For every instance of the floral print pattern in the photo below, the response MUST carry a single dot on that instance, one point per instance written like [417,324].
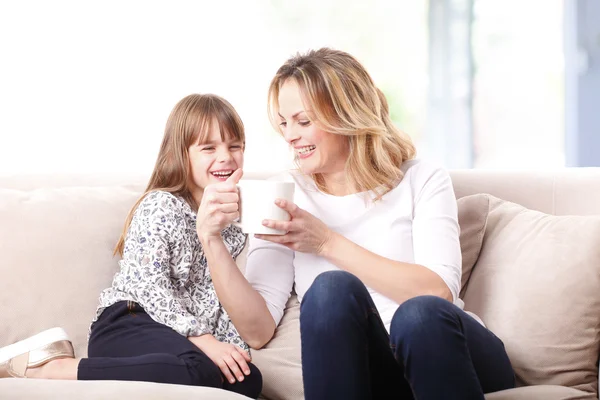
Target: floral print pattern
[164,270]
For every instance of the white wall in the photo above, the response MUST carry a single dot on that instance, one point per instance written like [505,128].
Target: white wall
[87,86]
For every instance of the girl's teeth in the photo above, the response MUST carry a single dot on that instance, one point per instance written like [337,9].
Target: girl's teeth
[221,173]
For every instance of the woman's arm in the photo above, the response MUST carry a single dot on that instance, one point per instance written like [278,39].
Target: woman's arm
[397,280]
[436,246]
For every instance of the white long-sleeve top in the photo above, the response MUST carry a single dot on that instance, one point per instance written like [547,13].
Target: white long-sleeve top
[416,222]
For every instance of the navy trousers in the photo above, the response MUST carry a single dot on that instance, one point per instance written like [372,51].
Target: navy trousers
[126,344]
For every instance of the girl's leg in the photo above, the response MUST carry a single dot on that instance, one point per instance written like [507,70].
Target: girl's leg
[446,353]
[127,331]
[126,344]
[345,348]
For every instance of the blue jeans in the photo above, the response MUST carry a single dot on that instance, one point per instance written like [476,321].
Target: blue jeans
[434,350]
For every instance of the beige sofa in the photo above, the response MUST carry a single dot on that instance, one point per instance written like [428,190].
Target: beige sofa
[533,278]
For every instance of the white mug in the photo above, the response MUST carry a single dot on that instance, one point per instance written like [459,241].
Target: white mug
[257,203]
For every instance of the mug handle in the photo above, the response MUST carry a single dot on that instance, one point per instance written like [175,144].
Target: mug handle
[238,223]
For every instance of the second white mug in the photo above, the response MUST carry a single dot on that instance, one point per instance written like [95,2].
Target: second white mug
[257,203]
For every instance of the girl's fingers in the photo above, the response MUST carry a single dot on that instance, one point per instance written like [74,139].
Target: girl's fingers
[223,198]
[239,359]
[244,353]
[233,366]
[224,367]
[227,208]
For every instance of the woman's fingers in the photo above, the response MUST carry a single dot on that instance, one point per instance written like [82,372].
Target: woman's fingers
[288,206]
[279,225]
[280,239]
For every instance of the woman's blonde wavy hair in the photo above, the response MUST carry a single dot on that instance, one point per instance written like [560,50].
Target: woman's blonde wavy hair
[345,101]
[190,122]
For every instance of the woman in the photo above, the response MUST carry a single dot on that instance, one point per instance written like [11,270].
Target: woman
[372,250]
[161,320]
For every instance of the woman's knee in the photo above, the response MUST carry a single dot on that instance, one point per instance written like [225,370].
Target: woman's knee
[331,286]
[421,314]
[331,302]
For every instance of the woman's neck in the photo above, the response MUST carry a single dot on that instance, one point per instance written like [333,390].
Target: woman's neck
[337,184]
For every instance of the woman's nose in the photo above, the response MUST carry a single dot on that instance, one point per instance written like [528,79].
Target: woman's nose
[290,135]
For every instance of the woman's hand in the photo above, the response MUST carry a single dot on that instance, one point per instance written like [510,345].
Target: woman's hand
[218,207]
[230,359]
[305,232]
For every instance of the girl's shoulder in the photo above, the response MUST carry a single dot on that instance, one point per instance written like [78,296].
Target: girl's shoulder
[162,202]
[162,198]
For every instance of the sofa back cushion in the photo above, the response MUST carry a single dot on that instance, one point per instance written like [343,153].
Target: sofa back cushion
[536,285]
[472,219]
[57,256]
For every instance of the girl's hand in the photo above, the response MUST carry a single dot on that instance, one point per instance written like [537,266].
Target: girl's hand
[230,359]
[219,206]
[305,232]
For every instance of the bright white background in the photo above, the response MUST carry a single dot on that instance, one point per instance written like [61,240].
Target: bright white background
[86,87]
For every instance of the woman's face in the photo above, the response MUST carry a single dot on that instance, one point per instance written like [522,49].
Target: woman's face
[317,151]
[213,160]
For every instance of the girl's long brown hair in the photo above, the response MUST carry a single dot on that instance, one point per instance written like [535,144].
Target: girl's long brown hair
[190,122]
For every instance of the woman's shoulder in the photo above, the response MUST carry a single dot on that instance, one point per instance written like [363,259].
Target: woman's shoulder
[419,171]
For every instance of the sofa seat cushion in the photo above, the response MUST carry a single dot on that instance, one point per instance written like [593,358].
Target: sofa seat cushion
[542,392]
[280,364]
[280,361]
[42,389]
[536,285]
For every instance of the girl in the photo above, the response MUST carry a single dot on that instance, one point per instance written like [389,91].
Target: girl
[161,320]
[372,250]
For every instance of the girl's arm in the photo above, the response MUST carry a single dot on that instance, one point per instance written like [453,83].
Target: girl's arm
[247,308]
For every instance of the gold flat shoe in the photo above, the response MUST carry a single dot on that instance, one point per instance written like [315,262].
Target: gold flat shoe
[33,352]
